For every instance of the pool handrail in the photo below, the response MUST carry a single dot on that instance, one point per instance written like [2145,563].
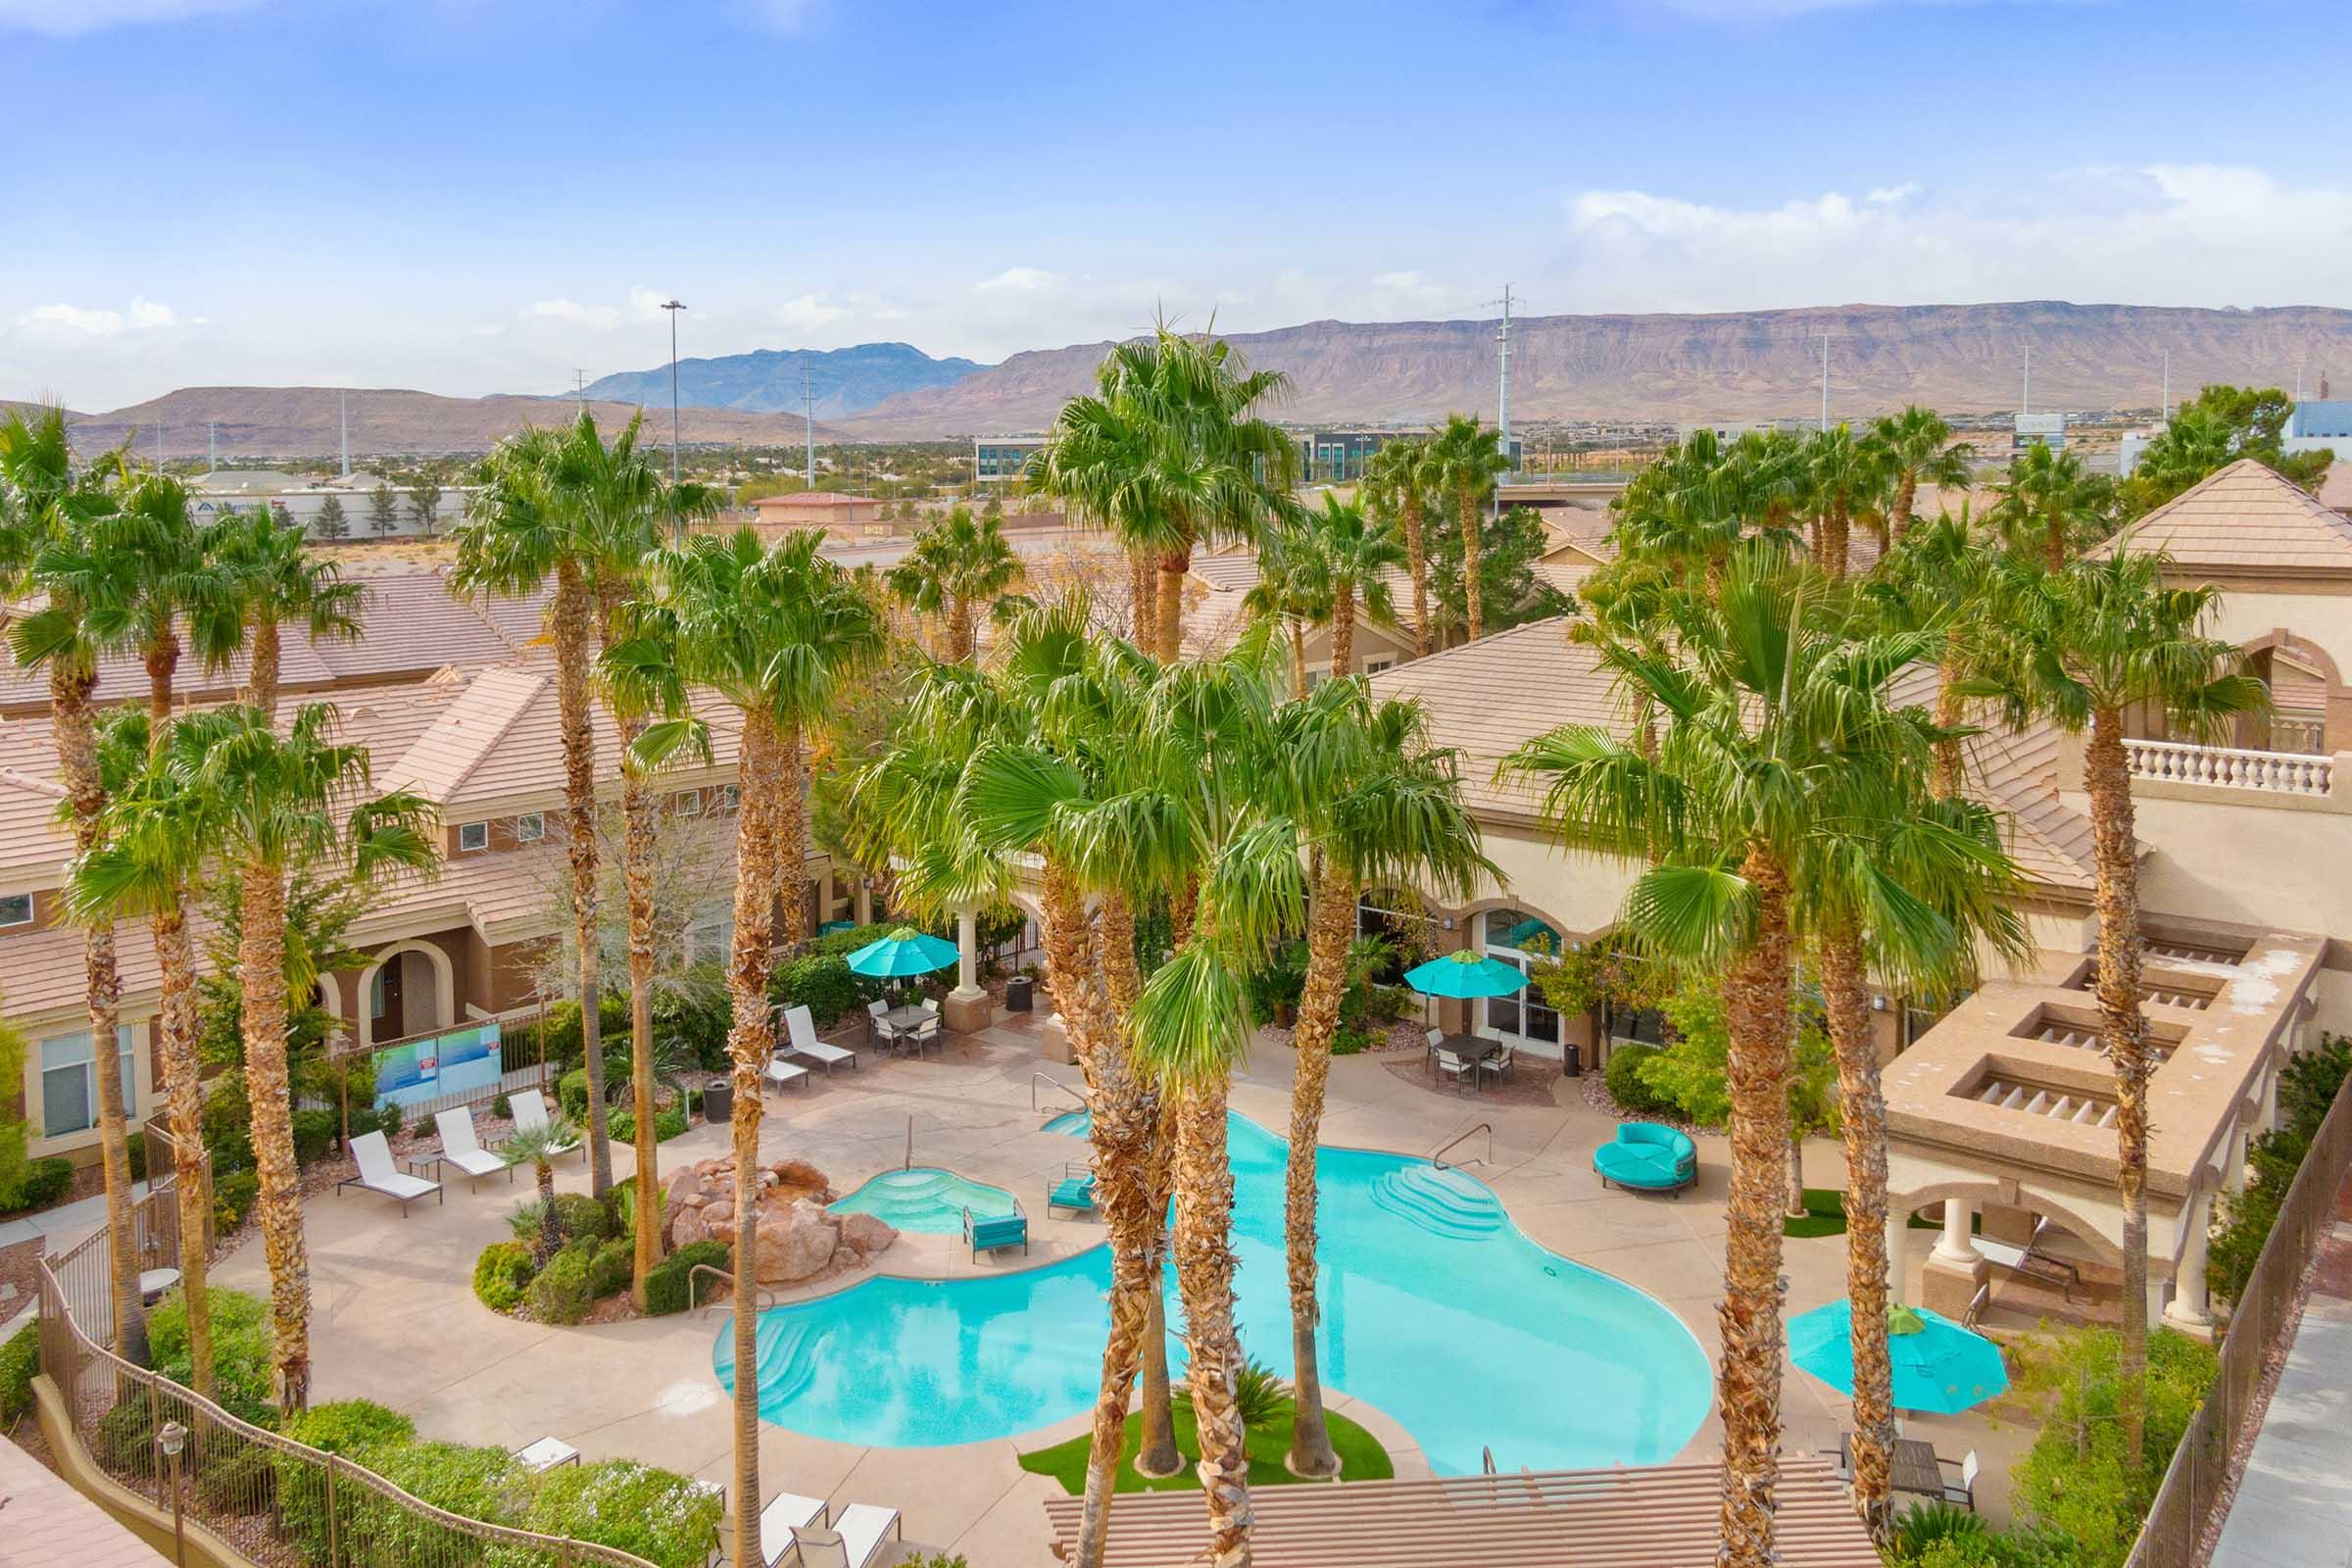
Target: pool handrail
[1439,1158]
[1051,1082]
[762,1296]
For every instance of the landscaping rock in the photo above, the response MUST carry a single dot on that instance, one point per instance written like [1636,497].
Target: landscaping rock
[867,1234]
[798,1237]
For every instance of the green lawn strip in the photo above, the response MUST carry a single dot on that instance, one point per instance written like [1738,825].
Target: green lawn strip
[1824,1215]
[1361,1457]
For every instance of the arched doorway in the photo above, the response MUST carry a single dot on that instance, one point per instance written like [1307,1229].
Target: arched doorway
[408,989]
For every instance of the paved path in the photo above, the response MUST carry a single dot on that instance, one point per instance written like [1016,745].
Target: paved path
[49,1523]
[67,1222]
[2294,1507]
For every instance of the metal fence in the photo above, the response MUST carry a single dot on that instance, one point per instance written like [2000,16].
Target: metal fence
[276,1502]
[2173,1535]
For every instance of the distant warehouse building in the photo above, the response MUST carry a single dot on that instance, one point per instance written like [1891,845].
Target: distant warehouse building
[816,509]
[2038,430]
[999,459]
[363,506]
[1340,457]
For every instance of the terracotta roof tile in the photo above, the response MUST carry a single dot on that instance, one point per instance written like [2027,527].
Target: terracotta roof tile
[2244,519]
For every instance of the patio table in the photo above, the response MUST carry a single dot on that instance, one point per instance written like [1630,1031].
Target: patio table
[903,1022]
[1911,1466]
[1473,1048]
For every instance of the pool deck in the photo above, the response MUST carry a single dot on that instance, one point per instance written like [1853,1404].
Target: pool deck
[395,1318]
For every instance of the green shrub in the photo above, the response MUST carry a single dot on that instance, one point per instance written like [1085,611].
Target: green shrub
[20,1362]
[561,1292]
[315,1135]
[609,1270]
[43,1183]
[2307,1087]
[346,1426]
[124,1443]
[657,1514]
[232,1474]
[622,1201]
[578,1215]
[696,1020]
[669,1122]
[824,984]
[563,1045]
[134,1146]
[665,1286]
[2074,1483]
[242,1372]
[572,1090]
[233,1196]
[841,944]
[1623,1075]
[478,1482]
[503,1108]
[502,1274]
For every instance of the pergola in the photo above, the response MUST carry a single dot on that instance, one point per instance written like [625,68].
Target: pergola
[1663,1516]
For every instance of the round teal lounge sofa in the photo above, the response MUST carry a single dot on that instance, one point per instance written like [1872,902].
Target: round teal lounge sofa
[1647,1158]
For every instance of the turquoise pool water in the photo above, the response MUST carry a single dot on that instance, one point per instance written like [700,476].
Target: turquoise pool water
[1077,1123]
[1435,1308]
[924,1198]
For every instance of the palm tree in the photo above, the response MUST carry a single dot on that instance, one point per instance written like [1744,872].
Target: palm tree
[1294,587]
[183,580]
[1941,577]
[2047,505]
[1356,550]
[1846,476]
[1915,447]
[1777,718]
[277,804]
[1385,806]
[1687,511]
[539,1147]
[775,632]
[145,862]
[2088,644]
[957,565]
[59,542]
[1466,457]
[1397,480]
[279,582]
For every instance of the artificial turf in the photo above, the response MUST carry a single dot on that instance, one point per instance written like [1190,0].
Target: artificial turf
[1824,1215]
[1361,1457]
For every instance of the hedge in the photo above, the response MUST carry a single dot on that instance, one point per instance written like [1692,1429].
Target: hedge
[44,1182]
[669,1122]
[242,1372]
[502,1274]
[20,1363]
[658,1514]
[345,1427]
[560,1294]
[665,1287]
[1623,1075]
[610,1270]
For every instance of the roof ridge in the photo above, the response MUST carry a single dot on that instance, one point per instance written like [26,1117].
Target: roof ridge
[502,711]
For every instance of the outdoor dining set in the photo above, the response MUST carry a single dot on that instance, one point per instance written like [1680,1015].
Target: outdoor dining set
[1468,1059]
[910,1028]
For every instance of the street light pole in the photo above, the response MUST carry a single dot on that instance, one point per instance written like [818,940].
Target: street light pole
[673,307]
[172,1439]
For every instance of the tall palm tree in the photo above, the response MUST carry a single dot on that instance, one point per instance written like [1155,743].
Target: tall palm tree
[1777,718]
[1356,549]
[279,582]
[1397,480]
[274,804]
[1294,588]
[1466,457]
[775,632]
[2089,644]
[957,565]
[1384,806]
[1915,447]
[1942,578]
[1847,476]
[184,584]
[1687,511]
[60,541]
[2046,504]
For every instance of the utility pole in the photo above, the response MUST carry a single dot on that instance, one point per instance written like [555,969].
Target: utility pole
[1825,381]
[579,383]
[678,530]
[2025,397]
[343,402]
[809,421]
[2168,386]
[1502,356]
[211,446]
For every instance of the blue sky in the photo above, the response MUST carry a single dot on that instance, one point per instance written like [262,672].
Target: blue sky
[479,195]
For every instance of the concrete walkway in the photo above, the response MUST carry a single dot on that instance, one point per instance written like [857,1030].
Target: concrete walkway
[2294,1507]
[65,1223]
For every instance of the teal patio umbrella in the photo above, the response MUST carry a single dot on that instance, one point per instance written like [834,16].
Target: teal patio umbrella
[1465,974]
[905,952]
[1940,1367]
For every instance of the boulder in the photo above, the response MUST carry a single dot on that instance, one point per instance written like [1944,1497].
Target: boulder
[867,1234]
[795,1243]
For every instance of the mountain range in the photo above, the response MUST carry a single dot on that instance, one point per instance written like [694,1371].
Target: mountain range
[843,381]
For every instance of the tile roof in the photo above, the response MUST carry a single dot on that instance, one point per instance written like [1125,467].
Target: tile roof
[814,498]
[2244,519]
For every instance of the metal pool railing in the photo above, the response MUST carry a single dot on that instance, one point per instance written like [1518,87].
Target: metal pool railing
[274,1503]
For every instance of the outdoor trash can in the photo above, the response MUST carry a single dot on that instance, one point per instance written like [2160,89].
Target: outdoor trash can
[1571,1061]
[1017,993]
[719,1102]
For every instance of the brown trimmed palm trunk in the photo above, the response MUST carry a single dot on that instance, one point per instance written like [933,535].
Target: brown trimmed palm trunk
[1342,629]
[162,657]
[262,976]
[1329,930]
[572,613]
[1749,1382]
[637,876]
[2053,541]
[1845,996]
[1409,503]
[750,1039]
[2122,1031]
[1298,631]
[1906,495]
[1951,710]
[73,732]
[264,658]
[1168,616]
[1205,1275]
[1143,600]
[176,1027]
[1473,593]
[1157,1454]
[792,835]
[1837,537]
[959,629]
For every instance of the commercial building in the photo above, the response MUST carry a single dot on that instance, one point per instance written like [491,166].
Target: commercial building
[302,499]
[1339,457]
[816,509]
[2038,430]
[999,459]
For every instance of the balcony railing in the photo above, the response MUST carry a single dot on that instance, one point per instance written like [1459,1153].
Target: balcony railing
[2273,773]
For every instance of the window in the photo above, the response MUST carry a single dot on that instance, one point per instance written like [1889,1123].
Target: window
[474,836]
[1373,666]
[687,803]
[530,827]
[708,940]
[69,1083]
[379,991]
[727,797]
[15,909]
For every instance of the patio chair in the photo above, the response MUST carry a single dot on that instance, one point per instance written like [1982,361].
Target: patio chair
[1454,1067]
[997,1231]
[1497,1064]
[856,1540]
[531,1112]
[927,1032]
[1074,1190]
[1436,1038]
[1962,1493]
[878,1030]
[783,1074]
[377,1174]
[462,1149]
[800,1029]
[784,1514]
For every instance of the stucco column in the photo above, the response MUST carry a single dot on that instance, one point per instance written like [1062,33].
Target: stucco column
[969,1009]
[862,901]
[1898,1249]
[2268,1121]
[2187,1310]
[1954,1269]
[1955,1245]
[2233,1163]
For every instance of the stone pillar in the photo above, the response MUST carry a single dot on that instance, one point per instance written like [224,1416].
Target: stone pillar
[2234,1162]
[968,1010]
[1955,1244]
[2267,1119]
[2187,1310]
[1898,1249]
[1954,1269]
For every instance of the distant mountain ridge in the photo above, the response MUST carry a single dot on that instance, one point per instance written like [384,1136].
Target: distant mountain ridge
[1740,366]
[844,381]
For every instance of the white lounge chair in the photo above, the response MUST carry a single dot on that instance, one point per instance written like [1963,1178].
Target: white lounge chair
[854,1540]
[462,1149]
[784,1073]
[800,1029]
[531,1112]
[377,1175]
[785,1514]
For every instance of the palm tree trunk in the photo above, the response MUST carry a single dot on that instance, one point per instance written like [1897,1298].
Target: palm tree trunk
[1862,1111]
[176,1027]
[1343,630]
[1298,630]
[1951,710]
[1748,1384]
[1410,502]
[1167,616]
[2053,541]
[1157,1454]
[792,835]
[1143,600]
[749,1039]
[959,629]
[637,876]
[1205,1275]
[163,662]
[1797,1170]
[1329,929]
[76,742]
[551,1230]
[262,976]
[2123,1030]
[572,635]
[1837,538]
[262,666]
[1466,503]
[1906,495]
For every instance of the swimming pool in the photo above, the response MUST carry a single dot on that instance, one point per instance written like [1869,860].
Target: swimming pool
[1435,1308]
[925,1197]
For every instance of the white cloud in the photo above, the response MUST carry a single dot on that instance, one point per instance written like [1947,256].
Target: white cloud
[808,313]
[66,19]
[595,317]
[142,315]
[2189,234]
[1022,280]
[645,303]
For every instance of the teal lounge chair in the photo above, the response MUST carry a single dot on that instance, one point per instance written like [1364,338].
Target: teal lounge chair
[1647,1158]
[995,1230]
[1075,1191]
